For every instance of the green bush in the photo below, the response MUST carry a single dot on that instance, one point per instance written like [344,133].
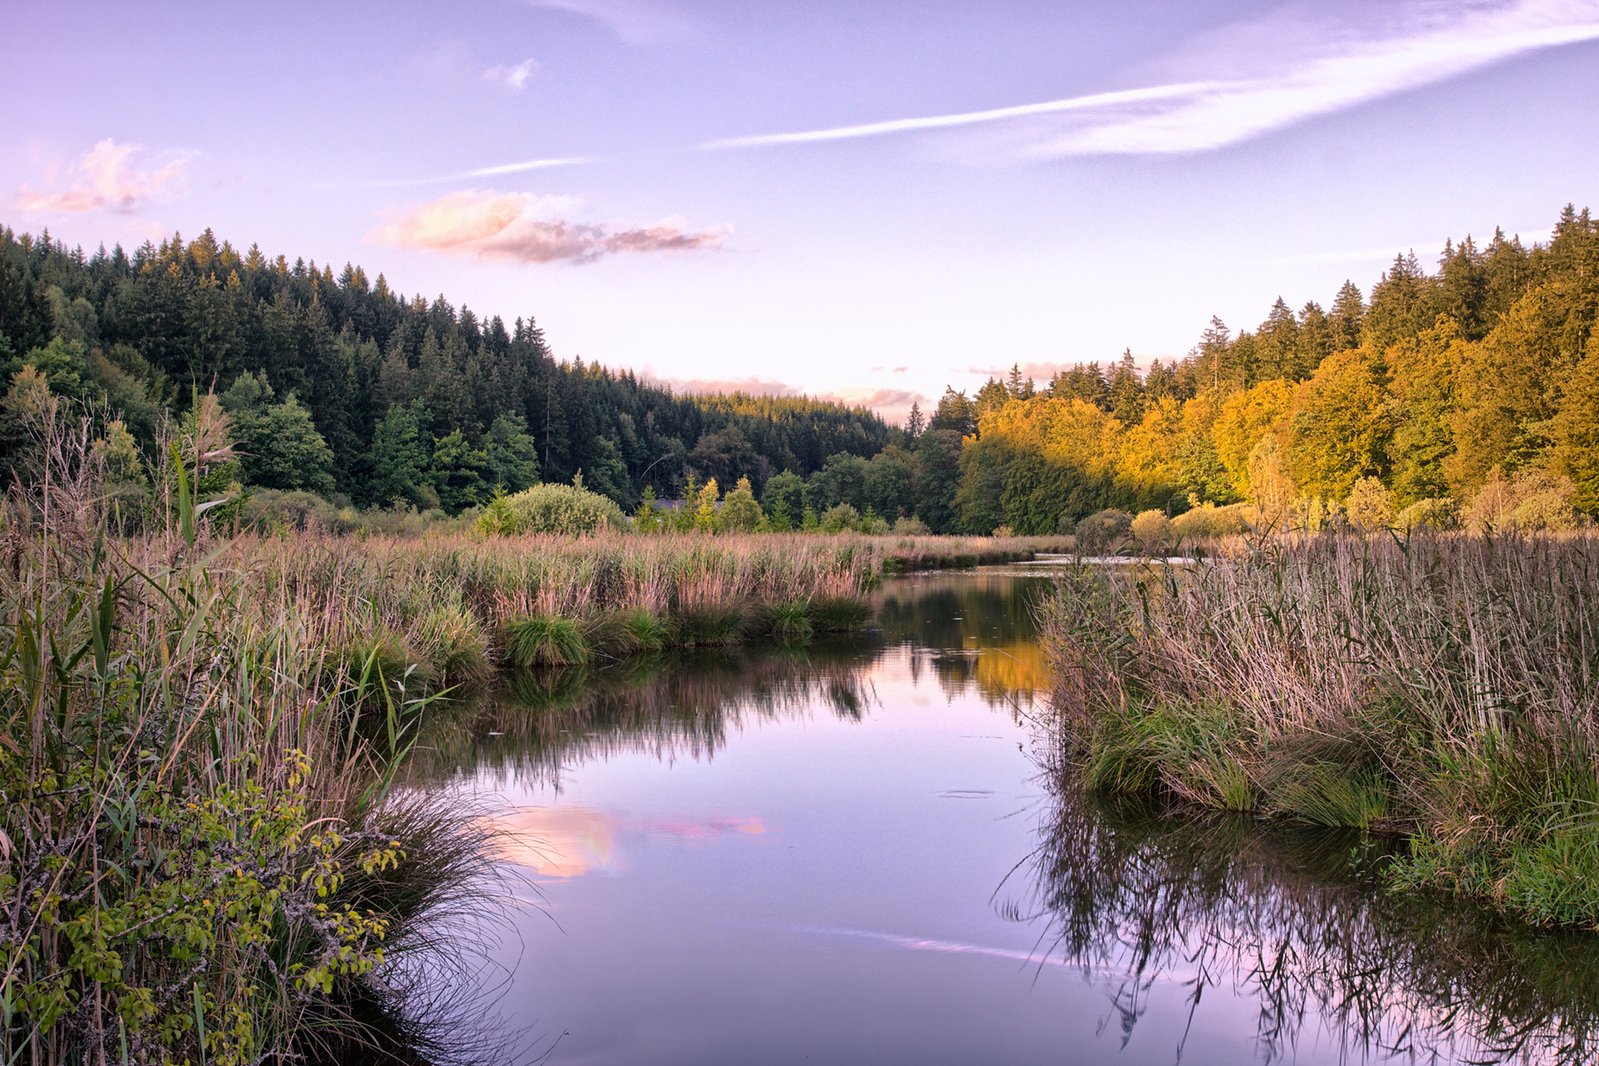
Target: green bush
[839,519]
[290,510]
[563,509]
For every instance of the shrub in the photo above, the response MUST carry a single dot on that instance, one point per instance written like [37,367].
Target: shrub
[1104,530]
[1209,522]
[911,527]
[1532,500]
[1432,513]
[291,510]
[1152,530]
[739,512]
[565,509]
[1370,505]
[874,526]
[839,518]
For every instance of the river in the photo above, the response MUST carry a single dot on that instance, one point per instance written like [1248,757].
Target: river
[856,854]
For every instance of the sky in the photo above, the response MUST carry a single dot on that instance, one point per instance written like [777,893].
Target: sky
[866,200]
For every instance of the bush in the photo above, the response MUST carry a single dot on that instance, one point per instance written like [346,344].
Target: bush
[911,527]
[1209,522]
[1370,505]
[840,518]
[1152,530]
[739,512]
[1104,530]
[550,509]
[1432,513]
[1532,500]
[291,510]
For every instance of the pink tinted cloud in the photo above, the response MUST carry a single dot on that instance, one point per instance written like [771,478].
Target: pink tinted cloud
[107,178]
[750,386]
[530,229]
[893,404]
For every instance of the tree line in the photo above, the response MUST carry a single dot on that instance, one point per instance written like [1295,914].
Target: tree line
[1469,389]
[336,384]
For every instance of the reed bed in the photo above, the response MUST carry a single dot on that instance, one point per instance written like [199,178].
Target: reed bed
[450,608]
[1441,687]
[201,859]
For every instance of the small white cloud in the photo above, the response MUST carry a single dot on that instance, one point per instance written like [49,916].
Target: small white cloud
[530,229]
[513,78]
[109,177]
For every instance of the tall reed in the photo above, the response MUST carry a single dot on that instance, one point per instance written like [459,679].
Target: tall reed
[1442,686]
[200,857]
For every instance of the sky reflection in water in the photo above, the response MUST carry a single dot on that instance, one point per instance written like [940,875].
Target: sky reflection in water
[851,855]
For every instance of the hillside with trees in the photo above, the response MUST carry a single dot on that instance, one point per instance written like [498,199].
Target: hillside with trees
[338,384]
[1472,389]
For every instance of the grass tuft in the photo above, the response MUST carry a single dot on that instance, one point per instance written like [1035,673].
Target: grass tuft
[542,641]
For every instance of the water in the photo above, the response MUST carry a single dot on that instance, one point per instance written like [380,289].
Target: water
[852,855]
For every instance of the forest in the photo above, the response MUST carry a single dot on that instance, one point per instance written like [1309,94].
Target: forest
[1462,394]
[339,385]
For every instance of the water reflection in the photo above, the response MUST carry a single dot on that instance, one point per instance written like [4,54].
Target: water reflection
[978,630]
[1294,926]
[852,853]
[684,707]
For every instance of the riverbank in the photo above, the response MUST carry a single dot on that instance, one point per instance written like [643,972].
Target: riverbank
[1441,688]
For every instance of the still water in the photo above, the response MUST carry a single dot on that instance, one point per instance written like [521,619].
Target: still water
[853,855]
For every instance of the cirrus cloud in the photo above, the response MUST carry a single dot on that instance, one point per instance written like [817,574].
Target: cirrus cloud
[1300,60]
[109,177]
[527,228]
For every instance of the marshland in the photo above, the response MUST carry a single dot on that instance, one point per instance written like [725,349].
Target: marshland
[379,687]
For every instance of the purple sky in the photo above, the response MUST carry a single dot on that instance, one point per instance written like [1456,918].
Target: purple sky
[867,199]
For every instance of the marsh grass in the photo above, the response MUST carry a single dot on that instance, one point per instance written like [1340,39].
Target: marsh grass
[201,855]
[543,641]
[1442,686]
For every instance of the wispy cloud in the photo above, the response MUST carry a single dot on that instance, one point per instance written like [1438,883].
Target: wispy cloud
[521,167]
[635,21]
[526,228]
[109,177]
[1247,79]
[497,170]
[513,78]
[968,118]
[892,404]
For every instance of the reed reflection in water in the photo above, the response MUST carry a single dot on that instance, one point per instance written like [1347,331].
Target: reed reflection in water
[1295,925]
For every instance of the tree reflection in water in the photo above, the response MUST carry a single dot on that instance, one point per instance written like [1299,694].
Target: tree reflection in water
[670,708]
[1296,922]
